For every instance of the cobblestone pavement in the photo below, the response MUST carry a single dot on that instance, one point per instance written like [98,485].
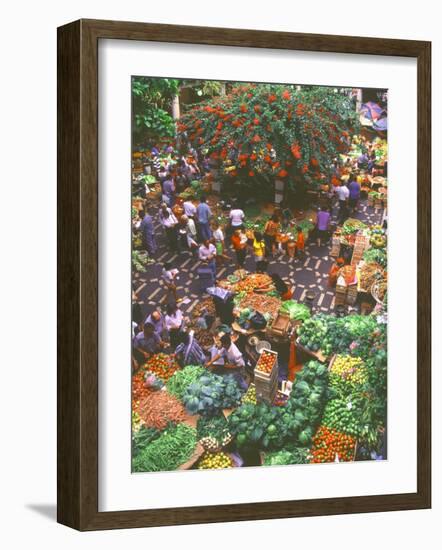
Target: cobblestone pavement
[310,273]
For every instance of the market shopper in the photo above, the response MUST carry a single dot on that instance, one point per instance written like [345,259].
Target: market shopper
[300,243]
[203,215]
[259,248]
[191,234]
[169,276]
[236,217]
[148,232]
[207,254]
[169,222]
[343,193]
[174,321]
[322,226]
[218,238]
[169,190]
[189,209]
[239,242]
[354,188]
[270,231]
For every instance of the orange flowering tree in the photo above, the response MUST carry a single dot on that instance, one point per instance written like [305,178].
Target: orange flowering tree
[267,132]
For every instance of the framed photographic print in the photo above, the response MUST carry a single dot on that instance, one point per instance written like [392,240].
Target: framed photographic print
[243,275]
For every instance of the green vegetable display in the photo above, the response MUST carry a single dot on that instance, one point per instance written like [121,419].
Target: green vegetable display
[212,426]
[211,393]
[167,452]
[297,455]
[296,311]
[343,415]
[142,437]
[355,334]
[267,427]
[376,255]
[182,379]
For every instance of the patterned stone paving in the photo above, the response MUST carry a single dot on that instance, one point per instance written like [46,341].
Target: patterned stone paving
[310,273]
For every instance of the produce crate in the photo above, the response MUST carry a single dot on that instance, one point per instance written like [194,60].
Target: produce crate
[280,327]
[267,393]
[266,384]
[318,355]
[352,294]
[341,295]
[262,376]
[336,245]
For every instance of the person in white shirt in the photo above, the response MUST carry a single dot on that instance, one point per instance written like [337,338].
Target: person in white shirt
[218,237]
[169,222]
[174,323]
[343,193]
[169,275]
[191,233]
[189,209]
[232,356]
[207,254]
[236,218]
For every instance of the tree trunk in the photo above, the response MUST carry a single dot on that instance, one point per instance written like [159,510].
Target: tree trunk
[176,107]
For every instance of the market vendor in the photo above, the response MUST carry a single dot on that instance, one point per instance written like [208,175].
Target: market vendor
[230,353]
[285,292]
[189,351]
[333,272]
[156,318]
[146,343]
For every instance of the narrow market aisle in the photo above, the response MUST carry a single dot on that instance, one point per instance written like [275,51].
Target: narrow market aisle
[309,274]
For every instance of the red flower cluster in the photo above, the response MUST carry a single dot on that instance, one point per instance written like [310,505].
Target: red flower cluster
[296,150]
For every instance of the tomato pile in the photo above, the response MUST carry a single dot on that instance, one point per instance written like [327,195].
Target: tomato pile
[161,365]
[266,362]
[328,443]
[139,389]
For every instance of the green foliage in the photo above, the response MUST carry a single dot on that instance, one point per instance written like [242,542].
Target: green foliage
[182,379]
[168,451]
[296,311]
[295,455]
[139,261]
[151,102]
[263,426]
[377,255]
[212,426]
[142,438]
[211,393]
[306,128]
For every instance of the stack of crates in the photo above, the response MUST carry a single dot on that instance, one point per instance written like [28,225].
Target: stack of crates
[361,244]
[266,383]
[352,294]
[341,295]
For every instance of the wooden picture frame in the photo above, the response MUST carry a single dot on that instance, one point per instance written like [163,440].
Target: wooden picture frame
[78,274]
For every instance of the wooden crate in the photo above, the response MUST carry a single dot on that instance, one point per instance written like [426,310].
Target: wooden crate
[352,294]
[318,355]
